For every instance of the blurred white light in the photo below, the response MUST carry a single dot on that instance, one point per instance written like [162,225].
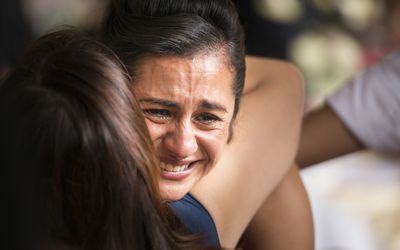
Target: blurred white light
[327,58]
[285,11]
[359,14]
[46,15]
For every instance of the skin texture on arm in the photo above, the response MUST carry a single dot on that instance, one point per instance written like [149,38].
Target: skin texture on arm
[264,144]
[284,222]
[324,136]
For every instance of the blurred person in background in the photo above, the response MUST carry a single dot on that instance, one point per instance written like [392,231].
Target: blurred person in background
[363,113]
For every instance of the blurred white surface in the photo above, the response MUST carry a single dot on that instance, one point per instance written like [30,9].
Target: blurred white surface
[356,202]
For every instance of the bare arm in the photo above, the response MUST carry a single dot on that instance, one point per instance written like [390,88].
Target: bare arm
[323,137]
[264,145]
[284,222]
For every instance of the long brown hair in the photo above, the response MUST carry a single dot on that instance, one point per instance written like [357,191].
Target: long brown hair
[70,114]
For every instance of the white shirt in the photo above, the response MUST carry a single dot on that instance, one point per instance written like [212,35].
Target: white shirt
[369,105]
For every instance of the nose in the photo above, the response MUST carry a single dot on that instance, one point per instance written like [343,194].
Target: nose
[181,142]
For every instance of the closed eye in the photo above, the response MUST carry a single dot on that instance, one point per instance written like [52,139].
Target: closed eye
[158,114]
[207,118]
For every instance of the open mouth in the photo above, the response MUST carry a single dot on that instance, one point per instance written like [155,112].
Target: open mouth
[174,168]
[177,172]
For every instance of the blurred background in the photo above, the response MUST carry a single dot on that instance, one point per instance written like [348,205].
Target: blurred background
[330,40]
[356,199]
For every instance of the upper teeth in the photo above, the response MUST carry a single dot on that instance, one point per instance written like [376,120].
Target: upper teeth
[172,168]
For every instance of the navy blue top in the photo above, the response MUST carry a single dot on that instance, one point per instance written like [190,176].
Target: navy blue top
[196,218]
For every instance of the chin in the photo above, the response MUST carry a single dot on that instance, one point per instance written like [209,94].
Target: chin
[173,191]
[167,195]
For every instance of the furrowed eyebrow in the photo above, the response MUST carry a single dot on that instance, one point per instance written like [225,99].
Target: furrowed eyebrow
[169,104]
[160,102]
[213,105]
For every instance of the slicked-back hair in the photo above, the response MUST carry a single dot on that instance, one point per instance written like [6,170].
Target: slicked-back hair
[138,28]
[68,113]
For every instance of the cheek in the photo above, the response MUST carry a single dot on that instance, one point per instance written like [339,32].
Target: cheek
[213,142]
[155,130]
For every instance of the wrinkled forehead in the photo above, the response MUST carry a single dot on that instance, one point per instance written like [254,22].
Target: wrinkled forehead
[208,59]
[203,78]
[202,69]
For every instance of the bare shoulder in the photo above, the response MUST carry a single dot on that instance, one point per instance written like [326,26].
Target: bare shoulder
[267,70]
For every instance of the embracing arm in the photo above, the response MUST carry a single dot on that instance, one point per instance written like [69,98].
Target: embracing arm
[284,221]
[263,147]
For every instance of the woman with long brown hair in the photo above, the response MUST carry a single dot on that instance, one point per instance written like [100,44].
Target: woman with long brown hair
[70,121]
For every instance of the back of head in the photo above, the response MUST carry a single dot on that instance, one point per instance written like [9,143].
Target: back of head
[70,118]
[138,28]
